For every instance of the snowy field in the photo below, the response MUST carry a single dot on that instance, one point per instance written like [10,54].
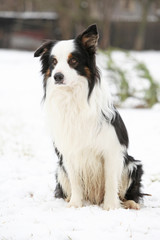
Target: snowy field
[28,210]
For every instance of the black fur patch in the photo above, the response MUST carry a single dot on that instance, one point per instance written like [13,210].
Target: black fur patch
[58,192]
[86,44]
[60,158]
[120,129]
[44,52]
[134,191]
[86,62]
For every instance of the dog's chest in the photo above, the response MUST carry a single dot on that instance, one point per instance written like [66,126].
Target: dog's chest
[73,122]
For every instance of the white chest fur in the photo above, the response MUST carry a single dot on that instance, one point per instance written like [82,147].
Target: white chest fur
[74,121]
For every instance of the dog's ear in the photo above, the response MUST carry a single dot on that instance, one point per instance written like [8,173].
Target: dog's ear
[89,38]
[45,47]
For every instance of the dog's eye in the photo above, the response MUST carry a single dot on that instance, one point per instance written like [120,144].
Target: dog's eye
[73,62]
[54,61]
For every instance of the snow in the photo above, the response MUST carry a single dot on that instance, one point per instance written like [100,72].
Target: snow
[28,209]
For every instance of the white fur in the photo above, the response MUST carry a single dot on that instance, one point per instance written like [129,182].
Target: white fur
[90,147]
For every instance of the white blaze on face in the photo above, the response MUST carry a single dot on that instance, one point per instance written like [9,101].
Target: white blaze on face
[61,51]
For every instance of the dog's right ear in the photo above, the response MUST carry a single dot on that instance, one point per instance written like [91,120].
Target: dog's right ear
[45,47]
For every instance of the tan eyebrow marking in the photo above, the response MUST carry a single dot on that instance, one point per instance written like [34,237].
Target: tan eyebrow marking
[70,56]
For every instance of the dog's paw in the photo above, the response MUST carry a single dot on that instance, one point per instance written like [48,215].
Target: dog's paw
[111,205]
[131,205]
[75,204]
[67,199]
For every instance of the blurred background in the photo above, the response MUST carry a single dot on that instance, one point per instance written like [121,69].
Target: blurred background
[127,24]
[128,46]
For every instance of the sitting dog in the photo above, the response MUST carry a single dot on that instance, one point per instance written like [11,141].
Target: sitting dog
[89,135]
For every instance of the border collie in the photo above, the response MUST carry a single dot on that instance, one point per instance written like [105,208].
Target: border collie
[89,135]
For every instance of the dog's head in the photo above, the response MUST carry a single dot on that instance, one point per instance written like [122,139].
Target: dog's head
[64,61]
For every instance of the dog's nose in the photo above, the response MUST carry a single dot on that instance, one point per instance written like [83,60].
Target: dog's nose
[58,77]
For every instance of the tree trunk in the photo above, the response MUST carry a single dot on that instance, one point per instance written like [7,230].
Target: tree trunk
[65,24]
[106,10]
[140,38]
[105,41]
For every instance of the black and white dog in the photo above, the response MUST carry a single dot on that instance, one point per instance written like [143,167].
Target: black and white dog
[89,135]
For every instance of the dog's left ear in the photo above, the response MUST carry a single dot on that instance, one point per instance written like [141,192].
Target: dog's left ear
[89,38]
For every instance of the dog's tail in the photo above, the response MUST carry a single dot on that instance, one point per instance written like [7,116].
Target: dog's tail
[147,194]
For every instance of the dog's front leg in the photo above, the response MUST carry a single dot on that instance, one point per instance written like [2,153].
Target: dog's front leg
[76,187]
[112,171]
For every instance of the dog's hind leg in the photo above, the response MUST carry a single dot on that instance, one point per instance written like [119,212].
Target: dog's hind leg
[135,173]
[130,186]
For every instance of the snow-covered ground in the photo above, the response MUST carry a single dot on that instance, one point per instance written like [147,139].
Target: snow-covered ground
[28,210]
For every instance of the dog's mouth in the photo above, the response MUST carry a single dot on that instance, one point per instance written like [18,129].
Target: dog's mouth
[60,82]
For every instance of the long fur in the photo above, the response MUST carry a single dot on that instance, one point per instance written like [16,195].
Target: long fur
[89,135]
